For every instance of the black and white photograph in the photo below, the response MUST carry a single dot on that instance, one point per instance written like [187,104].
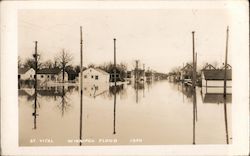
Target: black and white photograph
[114,77]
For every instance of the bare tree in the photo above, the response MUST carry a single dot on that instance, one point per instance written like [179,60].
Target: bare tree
[91,65]
[19,62]
[48,64]
[30,63]
[63,59]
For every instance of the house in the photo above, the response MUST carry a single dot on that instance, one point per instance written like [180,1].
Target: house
[94,76]
[120,75]
[213,80]
[187,72]
[26,74]
[149,76]
[51,75]
[72,75]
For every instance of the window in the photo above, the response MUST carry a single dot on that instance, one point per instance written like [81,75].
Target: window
[48,76]
[96,77]
[85,76]
[92,76]
[34,76]
[30,76]
[19,76]
[41,76]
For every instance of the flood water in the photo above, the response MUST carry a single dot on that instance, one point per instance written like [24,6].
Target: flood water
[160,113]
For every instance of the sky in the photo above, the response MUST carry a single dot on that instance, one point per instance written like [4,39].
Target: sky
[161,38]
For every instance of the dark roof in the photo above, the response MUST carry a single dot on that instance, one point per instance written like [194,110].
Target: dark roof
[208,66]
[49,71]
[23,70]
[217,74]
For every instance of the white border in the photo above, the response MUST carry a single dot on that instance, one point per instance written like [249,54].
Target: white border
[240,63]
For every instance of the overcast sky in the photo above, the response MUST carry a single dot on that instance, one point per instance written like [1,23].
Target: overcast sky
[161,39]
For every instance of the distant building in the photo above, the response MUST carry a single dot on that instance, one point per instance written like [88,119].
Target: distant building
[26,73]
[187,72]
[95,76]
[120,75]
[51,75]
[213,80]
[72,75]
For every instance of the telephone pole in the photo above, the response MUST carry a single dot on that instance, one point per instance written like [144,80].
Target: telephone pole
[81,85]
[35,85]
[225,72]
[115,60]
[194,70]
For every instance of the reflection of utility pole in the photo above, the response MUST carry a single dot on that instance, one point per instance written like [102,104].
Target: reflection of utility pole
[81,86]
[225,74]
[114,132]
[225,115]
[194,115]
[35,85]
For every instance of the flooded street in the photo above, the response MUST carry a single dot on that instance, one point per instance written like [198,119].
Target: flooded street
[152,114]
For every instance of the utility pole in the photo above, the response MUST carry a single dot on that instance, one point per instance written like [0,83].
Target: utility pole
[81,85]
[35,85]
[115,60]
[225,73]
[114,132]
[136,71]
[194,70]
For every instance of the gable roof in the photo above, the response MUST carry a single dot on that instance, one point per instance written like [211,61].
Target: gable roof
[49,71]
[208,66]
[97,69]
[101,71]
[217,74]
[23,70]
[187,66]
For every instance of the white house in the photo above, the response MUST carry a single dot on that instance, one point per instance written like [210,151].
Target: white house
[26,73]
[95,76]
[51,75]
[213,81]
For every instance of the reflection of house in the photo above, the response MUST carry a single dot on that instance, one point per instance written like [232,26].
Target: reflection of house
[94,90]
[216,98]
[213,80]
[95,76]
[51,74]
[26,73]
[52,91]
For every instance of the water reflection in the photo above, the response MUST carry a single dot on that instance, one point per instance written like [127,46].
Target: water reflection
[93,90]
[80,127]
[225,115]
[99,117]
[195,118]
[115,91]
